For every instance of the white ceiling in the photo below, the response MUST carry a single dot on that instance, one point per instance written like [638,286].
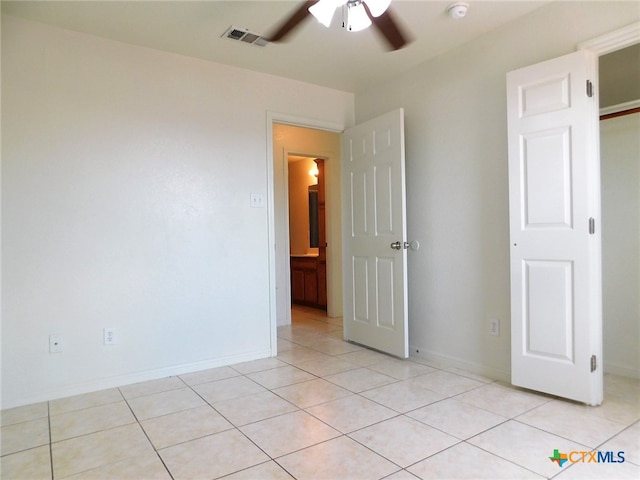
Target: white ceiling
[331,57]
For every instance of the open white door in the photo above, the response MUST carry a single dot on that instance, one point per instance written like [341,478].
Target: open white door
[554,200]
[374,231]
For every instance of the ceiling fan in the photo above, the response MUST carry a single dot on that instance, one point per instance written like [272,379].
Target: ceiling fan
[359,15]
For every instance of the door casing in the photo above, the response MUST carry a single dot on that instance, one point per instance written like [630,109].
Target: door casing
[277,216]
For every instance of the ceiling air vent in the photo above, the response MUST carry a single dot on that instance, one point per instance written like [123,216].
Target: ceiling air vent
[244,35]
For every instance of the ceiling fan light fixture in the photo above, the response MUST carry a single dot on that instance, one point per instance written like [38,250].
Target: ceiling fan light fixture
[358,15]
[323,10]
[357,18]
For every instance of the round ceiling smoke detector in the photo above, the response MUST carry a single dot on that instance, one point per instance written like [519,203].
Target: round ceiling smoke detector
[458,10]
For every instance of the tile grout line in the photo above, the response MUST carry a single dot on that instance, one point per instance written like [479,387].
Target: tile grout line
[236,428]
[498,456]
[155,450]
[50,439]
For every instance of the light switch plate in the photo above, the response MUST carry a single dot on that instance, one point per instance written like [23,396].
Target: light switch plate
[257,200]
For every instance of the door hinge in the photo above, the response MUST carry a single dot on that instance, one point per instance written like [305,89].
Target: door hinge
[593,363]
[589,89]
[592,225]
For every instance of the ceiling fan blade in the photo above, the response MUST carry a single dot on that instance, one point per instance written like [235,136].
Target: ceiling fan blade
[389,29]
[292,22]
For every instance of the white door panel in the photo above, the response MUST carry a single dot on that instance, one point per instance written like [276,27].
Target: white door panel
[547,178]
[375,296]
[556,317]
[547,287]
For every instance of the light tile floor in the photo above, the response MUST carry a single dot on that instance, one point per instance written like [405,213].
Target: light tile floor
[323,409]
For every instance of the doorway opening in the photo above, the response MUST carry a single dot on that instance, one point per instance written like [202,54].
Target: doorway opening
[307,231]
[318,141]
[620,201]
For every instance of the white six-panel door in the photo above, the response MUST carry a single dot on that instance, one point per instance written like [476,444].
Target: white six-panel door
[554,191]
[375,272]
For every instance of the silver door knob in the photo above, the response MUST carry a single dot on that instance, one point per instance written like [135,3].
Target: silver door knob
[414,245]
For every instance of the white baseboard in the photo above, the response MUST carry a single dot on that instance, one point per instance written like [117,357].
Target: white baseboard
[623,371]
[447,361]
[127,379]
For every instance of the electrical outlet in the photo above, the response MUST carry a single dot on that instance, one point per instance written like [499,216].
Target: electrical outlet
[494,327]
[55,343]
[109,336]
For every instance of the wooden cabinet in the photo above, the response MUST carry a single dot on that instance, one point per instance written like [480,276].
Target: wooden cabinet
[305,282]
[322,236]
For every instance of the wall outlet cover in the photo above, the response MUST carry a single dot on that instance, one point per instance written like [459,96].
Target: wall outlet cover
[55,343]
[494,327]
[109,336]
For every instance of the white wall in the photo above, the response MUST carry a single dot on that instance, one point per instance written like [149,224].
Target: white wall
[620,173]
[457,185]
[126,178]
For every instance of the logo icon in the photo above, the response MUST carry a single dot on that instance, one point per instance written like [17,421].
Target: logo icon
[559,458]
[595,456]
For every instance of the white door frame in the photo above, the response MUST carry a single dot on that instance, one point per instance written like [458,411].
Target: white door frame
[296,121]
[602,45]
[612,41]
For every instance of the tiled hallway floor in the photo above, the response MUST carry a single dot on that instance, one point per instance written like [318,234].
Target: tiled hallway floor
[322,409]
